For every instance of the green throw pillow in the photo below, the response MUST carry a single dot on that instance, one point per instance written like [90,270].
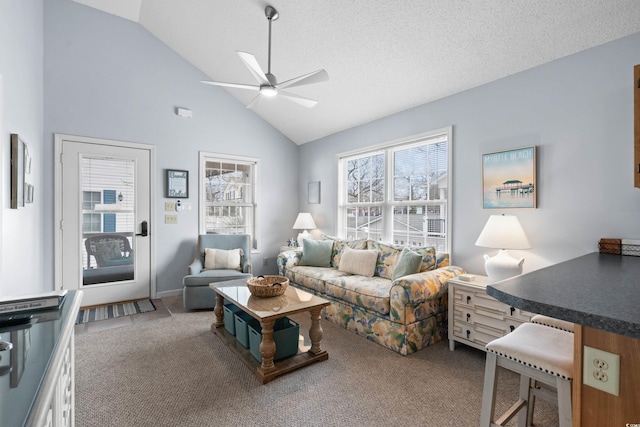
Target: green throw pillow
[316,253]
[408,263]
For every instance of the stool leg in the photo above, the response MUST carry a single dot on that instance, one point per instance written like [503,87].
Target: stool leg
[564,401]
[525,395]
[532,404]
[489,391]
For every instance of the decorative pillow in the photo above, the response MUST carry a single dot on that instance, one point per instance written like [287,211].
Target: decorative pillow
[428,254]
[388,258]
[218,259]
[360,262]
[408,263]
[339,245]
[316,253]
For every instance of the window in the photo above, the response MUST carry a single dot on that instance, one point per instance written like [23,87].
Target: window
[227,196]
[399,192]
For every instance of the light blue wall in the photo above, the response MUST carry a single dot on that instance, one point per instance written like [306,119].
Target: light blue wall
[107,77]
[577,110]
[21,251]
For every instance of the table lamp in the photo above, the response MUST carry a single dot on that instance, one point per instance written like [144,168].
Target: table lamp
[503,232]
[304,221]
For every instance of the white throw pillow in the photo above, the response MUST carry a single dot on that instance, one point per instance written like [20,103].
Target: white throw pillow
[215,259]
[361,261]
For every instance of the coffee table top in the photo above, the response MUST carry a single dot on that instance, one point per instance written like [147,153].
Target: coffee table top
[292,301]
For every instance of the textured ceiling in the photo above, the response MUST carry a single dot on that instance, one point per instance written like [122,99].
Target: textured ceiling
[382,56]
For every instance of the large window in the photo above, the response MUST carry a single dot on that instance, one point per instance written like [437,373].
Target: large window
[227,197]
[398,193]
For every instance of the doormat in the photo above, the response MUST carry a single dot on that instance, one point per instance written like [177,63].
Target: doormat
[112,311]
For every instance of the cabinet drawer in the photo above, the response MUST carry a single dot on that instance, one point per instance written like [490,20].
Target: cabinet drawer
[478,334]
[487,304]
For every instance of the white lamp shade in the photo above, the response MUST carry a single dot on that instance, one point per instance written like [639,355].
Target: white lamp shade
[503,232]
[304,221]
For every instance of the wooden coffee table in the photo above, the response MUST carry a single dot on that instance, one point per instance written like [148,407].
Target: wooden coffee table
[266,311]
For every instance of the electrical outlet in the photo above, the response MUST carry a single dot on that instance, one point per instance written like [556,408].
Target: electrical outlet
[171,219]
[601,370]
[265,261]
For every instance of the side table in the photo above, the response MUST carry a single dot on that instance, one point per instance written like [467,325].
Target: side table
[475,318]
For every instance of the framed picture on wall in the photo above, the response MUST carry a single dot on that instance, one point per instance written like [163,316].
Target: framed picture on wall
[177,184]
[509,179]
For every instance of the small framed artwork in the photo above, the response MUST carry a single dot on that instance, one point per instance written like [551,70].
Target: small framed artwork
[177,184]
[509,179]
[313,189]
[17,171]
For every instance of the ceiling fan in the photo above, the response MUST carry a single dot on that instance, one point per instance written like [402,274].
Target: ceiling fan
[268,84]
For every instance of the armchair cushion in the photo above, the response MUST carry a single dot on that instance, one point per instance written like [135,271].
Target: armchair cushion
[222,259]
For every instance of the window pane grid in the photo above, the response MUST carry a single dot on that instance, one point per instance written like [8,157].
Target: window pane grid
[228,193]
[417,205]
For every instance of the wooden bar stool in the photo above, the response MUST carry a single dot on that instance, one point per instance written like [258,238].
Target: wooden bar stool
[539,354]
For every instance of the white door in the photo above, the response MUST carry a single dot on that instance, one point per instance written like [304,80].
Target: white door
[104,238]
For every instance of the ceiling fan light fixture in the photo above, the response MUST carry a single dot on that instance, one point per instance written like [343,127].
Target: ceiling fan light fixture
[268,91]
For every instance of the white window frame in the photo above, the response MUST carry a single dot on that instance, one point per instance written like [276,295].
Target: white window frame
[388,204]
[255,163]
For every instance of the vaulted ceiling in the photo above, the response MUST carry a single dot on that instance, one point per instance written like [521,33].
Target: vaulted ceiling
[382,56]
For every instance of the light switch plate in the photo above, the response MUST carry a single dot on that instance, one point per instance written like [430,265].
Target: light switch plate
[171,219]
[169,206]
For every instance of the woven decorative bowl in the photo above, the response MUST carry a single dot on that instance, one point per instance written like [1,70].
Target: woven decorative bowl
[267,286]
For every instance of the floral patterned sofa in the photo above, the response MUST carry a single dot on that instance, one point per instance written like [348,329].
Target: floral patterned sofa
[404,315]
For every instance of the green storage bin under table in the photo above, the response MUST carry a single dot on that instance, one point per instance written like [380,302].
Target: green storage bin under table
[242,321]
[229,321]
[285,335]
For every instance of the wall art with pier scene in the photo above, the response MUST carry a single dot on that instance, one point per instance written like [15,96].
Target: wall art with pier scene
[509,179]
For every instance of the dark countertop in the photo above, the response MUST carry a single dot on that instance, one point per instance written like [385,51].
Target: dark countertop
[601,291]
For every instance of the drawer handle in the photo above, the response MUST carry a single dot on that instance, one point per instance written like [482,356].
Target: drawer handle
[512,328]
[512,310]
[468,317]
[468,334]
[468,299]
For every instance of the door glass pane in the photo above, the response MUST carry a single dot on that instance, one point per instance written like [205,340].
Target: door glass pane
[108,220]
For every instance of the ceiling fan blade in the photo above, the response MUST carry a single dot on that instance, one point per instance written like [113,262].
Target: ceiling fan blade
[305,102]
[234,85]
[253,66]
[315,77]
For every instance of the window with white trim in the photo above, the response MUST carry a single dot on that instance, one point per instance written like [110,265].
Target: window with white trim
[227,195]
[399,192]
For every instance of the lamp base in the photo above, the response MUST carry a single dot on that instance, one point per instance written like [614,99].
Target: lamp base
[304,235]
[502,266]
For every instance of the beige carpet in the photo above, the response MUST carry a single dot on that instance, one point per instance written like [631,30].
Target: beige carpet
[175,372]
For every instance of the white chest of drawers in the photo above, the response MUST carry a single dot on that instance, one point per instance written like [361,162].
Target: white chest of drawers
[475,318]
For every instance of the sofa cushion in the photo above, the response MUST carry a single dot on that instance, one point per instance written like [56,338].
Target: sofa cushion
[316,253]
[371,293]
[339,246]
[408,263]
[215,259]
[312,277]
[361,262]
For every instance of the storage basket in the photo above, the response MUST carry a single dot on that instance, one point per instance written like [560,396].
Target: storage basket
[286,334]
[242,322]
[267,286]
[229,321]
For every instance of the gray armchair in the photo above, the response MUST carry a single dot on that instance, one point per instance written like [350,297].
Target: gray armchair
[196,293]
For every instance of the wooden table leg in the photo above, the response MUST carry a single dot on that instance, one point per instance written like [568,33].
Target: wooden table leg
[315,332]
[267,346]
[218,311]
